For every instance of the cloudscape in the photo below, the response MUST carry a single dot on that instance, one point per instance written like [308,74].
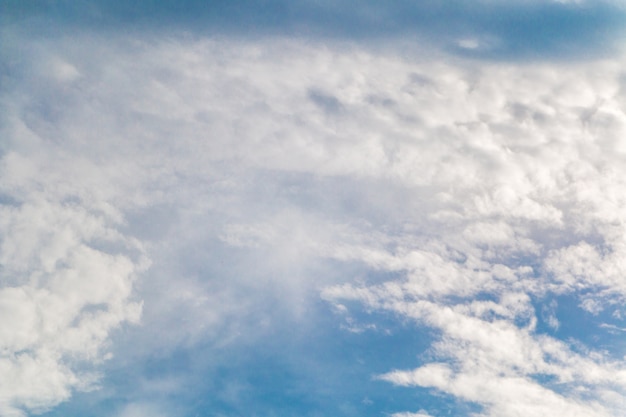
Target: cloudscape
[312,208]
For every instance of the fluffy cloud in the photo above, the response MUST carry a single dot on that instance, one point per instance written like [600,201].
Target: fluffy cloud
[67,278]
[482,187]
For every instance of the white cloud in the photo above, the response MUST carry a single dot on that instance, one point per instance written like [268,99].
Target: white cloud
[506,396]
[142,410]
[60,299]
[470,181]
[420,414]
[495,363]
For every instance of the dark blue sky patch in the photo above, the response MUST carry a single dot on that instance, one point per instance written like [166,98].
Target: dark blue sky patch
[549,30]
[497,31]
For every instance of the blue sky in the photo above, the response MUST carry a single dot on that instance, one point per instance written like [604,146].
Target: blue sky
[399,209]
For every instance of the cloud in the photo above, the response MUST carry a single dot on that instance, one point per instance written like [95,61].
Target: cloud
[468,192]
[495,364]
[410,415]
[142,410]
[67,272]
[62,294]
[506,396]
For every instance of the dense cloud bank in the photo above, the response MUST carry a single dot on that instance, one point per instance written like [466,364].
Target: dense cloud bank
[479,190]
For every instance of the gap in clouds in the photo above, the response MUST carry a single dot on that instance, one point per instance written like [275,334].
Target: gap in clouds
[288,374]
[593,329]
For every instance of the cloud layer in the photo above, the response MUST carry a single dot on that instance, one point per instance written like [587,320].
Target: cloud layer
[470,193]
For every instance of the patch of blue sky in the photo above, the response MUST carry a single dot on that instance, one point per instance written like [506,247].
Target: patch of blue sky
[301,369]
[514,30]
[600,329]
[563,318]
[547,30]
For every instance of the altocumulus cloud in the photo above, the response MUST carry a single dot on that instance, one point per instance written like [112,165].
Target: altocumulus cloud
[470,192]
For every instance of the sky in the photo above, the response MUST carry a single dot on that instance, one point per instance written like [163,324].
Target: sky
[312,208]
